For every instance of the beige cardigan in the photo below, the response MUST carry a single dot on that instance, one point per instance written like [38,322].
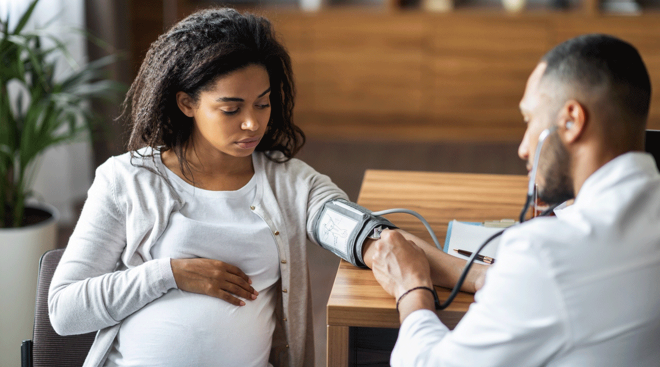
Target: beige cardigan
[107,272]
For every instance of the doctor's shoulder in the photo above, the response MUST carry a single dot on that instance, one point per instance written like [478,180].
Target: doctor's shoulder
[546,236]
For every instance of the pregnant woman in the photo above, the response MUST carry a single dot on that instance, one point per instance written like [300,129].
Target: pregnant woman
[190,249]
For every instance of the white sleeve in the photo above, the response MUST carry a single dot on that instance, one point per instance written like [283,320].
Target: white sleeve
[518,319]
[86,293]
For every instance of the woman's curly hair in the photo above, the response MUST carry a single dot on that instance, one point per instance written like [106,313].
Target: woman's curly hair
[190,57]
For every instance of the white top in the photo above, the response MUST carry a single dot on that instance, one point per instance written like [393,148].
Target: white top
[108,272]
[216,225]
[579,289]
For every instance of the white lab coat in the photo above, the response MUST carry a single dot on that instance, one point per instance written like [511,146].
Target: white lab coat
[578,289]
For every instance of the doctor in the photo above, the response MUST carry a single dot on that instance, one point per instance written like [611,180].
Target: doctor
[578,289]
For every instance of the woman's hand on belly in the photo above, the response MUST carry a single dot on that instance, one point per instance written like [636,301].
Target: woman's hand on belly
[213,278]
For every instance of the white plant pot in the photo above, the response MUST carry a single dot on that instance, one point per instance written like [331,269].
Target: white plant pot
[20,251]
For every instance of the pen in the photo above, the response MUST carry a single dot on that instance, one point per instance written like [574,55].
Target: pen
[486,259]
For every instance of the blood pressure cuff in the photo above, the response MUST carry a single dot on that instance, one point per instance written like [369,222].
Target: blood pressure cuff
[342,227]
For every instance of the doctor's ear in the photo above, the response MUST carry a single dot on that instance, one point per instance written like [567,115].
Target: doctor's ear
[573,117]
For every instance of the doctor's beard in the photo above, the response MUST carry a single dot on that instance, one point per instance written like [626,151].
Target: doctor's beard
[558,183]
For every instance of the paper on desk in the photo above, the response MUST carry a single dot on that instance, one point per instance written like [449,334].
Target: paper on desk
[469,236]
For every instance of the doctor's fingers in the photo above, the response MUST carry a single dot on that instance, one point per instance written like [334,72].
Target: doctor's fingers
[387,240]
[402,258]
[383,274]
[393,242]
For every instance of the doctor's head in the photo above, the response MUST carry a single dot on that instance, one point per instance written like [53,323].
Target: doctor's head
[595,89]
[218,76]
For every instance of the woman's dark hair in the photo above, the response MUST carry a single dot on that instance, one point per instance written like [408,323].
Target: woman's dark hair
[190,57]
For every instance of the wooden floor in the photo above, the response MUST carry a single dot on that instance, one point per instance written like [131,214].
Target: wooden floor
[346,161]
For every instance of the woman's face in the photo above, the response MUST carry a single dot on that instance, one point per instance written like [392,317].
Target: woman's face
[232,115]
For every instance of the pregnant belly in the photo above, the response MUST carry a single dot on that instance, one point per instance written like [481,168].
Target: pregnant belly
[187,329]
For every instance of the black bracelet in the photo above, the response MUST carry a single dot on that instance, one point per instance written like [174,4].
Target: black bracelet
[435,296]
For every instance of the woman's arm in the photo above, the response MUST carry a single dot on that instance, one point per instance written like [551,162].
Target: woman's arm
[445,269]
[86,293]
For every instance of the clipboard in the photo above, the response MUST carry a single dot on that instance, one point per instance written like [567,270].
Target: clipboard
[469,236]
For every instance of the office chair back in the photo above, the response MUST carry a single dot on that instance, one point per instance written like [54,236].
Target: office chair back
[653,145]
[48,348]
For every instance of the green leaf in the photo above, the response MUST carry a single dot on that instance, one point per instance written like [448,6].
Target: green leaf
[24,18]
[91,71]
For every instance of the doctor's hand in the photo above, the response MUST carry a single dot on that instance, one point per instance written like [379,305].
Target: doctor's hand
[399,265]
[213,278]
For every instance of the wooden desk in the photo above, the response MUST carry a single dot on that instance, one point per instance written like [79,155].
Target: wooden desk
[357,300]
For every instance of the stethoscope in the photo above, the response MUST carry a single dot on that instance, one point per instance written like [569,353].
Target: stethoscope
[528,201]
[530,195]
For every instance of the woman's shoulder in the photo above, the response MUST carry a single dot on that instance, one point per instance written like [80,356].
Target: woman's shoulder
[141,168]
[137,175]
[276,163]
[292,173]
[132,162]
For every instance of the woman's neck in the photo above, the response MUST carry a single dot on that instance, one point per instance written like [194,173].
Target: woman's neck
[206,160]
[211,169]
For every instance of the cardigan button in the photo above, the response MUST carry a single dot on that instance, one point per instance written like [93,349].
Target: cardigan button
[252,207]
[283,290]
[284,319]
[283,261]
[276,233]
[287,345]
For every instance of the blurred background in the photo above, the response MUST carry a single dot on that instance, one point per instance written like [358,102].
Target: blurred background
[428,85]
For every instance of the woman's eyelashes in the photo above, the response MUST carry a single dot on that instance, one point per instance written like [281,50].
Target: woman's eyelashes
[230,112]
[263,102]
[235,111]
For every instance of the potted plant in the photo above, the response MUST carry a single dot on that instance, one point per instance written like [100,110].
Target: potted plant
[37,111]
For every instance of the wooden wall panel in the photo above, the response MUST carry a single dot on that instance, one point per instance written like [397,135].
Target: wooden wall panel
[294,31]
[419,76]
[478,67]
[368,64]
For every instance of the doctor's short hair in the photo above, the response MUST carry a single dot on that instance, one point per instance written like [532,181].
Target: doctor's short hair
[190,57]
[601,61]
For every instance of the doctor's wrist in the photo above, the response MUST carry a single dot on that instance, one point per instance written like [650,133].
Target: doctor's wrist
[410,283]
[416,298]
